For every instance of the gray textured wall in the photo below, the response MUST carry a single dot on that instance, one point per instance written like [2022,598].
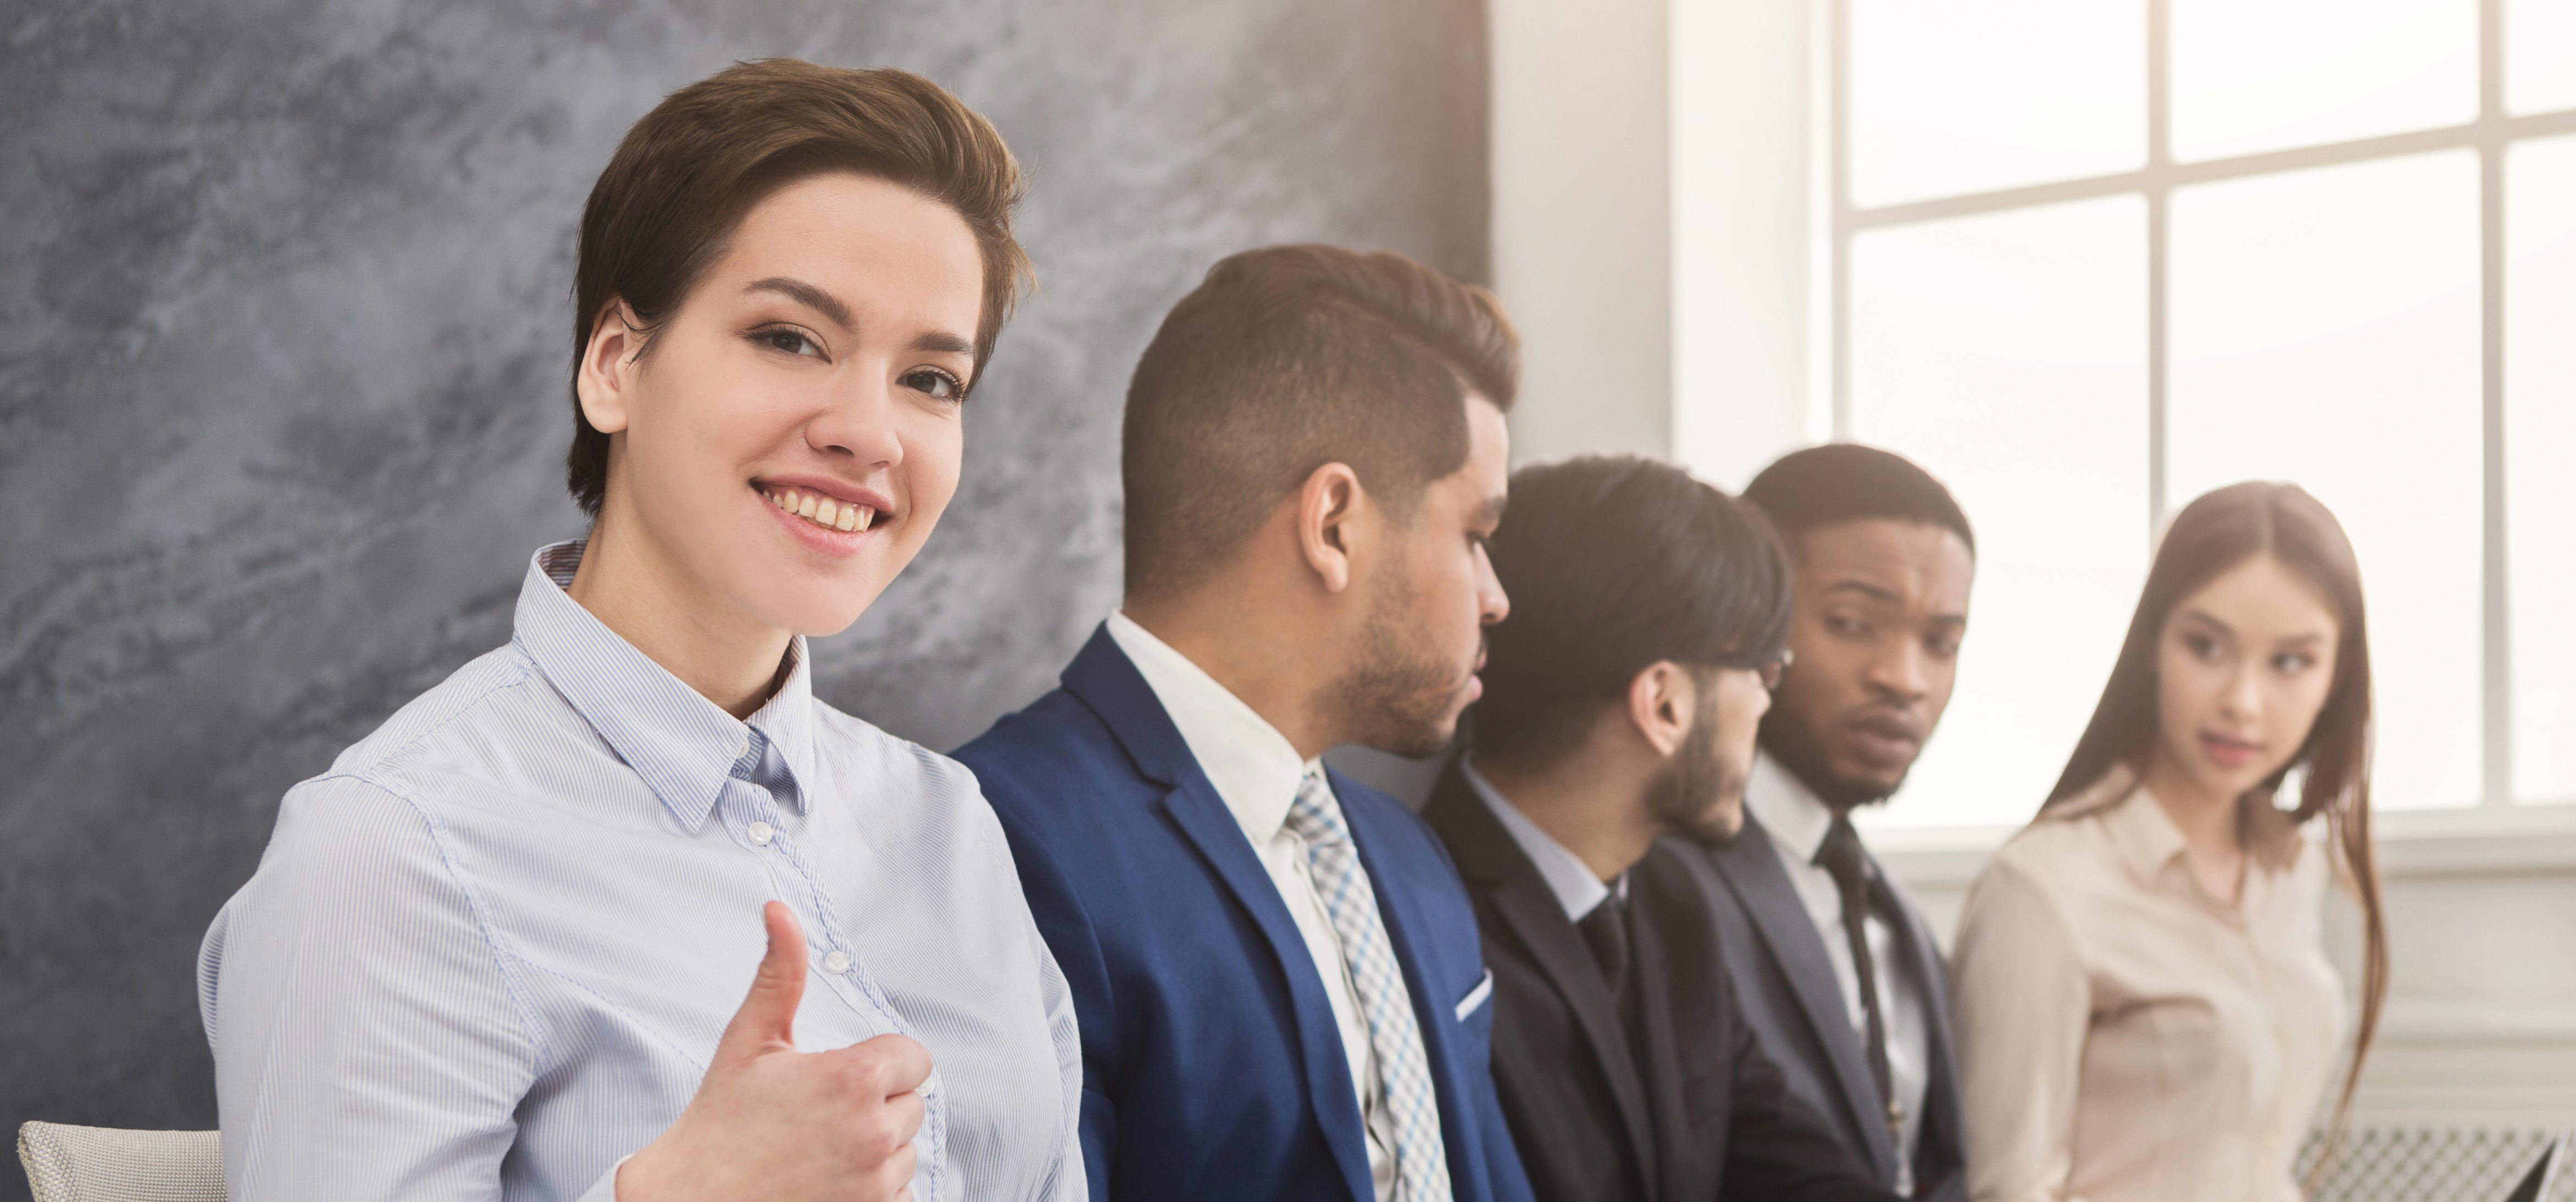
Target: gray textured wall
[283,340]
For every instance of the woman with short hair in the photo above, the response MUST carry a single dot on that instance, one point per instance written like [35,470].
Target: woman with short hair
[500,949]
[2144,1006]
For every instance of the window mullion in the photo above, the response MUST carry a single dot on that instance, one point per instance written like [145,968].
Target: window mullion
[2496,679]
[2158,181]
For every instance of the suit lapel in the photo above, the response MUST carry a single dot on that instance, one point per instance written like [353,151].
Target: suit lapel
[1489,860]
[1103,679]
[1661,1052]
[1750,866]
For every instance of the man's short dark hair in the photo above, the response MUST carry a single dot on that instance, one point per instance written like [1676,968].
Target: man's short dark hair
[1847,482]
[688,173]
[1283,360]
[1612,565]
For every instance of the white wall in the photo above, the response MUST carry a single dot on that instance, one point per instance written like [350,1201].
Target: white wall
[1653,234]
[1746,237]
[1582,221]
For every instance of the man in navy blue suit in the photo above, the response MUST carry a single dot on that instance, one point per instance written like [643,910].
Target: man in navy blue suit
[1276,970]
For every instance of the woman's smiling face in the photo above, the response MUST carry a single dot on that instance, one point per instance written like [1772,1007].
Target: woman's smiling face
[788,437]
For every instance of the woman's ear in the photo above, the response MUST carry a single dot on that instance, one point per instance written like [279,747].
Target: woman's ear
[606,378]
[1663,700]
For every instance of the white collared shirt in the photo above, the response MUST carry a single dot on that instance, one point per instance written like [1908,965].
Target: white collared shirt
[1797,821]
[1257,772]
[491,951]
[1567,876]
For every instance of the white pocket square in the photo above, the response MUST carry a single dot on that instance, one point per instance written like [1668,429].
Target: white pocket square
[1476,996]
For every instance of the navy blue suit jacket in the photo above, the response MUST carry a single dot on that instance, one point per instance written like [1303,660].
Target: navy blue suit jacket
[1212,1067]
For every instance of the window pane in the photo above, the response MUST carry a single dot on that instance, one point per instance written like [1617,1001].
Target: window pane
[1971,95]
[2539,55]
[2255,75]
[2539,446]
[2007,355]
[2325,331]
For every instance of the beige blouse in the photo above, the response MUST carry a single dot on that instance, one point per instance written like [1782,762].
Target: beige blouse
[2123,1035]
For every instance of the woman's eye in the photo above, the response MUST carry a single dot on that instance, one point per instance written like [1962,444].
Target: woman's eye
[935,383]
[2201,646]
[1843,625]
[789,341]
[2292,663]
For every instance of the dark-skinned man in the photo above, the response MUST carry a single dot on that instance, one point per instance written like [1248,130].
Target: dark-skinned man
[1835,966]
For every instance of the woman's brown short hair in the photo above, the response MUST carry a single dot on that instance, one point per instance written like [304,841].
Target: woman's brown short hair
[681,182]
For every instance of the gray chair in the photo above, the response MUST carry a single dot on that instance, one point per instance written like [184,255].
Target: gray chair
[103,1164]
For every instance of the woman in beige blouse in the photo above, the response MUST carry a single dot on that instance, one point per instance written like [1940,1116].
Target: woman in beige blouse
[2144,1007]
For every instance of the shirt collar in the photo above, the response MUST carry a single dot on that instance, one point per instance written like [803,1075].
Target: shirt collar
[1796,818]
[1576,889]
[682,744]
[2148,840]
[1255,769]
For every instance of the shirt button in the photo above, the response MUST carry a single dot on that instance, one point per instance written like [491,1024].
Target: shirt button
[759,833]
[837,963]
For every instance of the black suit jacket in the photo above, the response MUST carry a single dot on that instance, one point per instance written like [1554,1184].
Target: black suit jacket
[1695,1115]
[1778,963]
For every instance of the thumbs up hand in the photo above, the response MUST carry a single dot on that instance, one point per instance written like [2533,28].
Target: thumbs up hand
[771,1122]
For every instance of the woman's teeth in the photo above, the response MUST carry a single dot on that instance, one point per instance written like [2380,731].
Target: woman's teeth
[822,510]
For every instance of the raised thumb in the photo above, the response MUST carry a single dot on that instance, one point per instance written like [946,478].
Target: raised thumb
[768,1014]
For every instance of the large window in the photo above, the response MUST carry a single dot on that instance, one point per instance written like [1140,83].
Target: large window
[2091,258]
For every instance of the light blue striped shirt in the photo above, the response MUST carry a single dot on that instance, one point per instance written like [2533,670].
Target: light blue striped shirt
[489,953]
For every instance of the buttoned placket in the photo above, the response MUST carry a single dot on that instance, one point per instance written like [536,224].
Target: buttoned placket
[2238,941]
[751,814]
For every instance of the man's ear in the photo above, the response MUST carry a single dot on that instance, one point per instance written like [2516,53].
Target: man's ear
[608,365]
[1663,701]
[1331,522]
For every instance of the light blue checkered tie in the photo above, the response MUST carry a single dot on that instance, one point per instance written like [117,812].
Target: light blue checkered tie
[1421,1163]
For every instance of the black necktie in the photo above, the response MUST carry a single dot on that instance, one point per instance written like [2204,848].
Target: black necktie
[1842,856]
[1606,930]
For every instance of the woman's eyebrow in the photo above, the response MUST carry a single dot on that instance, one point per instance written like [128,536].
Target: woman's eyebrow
[2202,615]
[804,294]
[943,341]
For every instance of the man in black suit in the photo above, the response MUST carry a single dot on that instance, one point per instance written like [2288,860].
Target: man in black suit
[1621,697]
[1837,971]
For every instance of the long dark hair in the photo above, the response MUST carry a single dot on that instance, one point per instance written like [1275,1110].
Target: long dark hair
[2213,534]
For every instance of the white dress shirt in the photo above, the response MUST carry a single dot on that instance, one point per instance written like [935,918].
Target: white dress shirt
[489,953]
[1797,822]
[1256,772]
[1567,876]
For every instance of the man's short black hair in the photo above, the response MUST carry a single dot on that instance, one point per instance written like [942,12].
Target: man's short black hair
[1847,482]
[1612,565]
[1288,358]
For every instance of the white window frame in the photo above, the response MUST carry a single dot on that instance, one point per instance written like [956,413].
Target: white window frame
[1689,298]
[2491,134]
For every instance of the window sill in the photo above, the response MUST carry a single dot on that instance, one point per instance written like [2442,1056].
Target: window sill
[2479,841]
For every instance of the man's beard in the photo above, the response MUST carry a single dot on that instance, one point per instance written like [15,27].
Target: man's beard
[1790,742]
[1685,795]
[1399,696]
